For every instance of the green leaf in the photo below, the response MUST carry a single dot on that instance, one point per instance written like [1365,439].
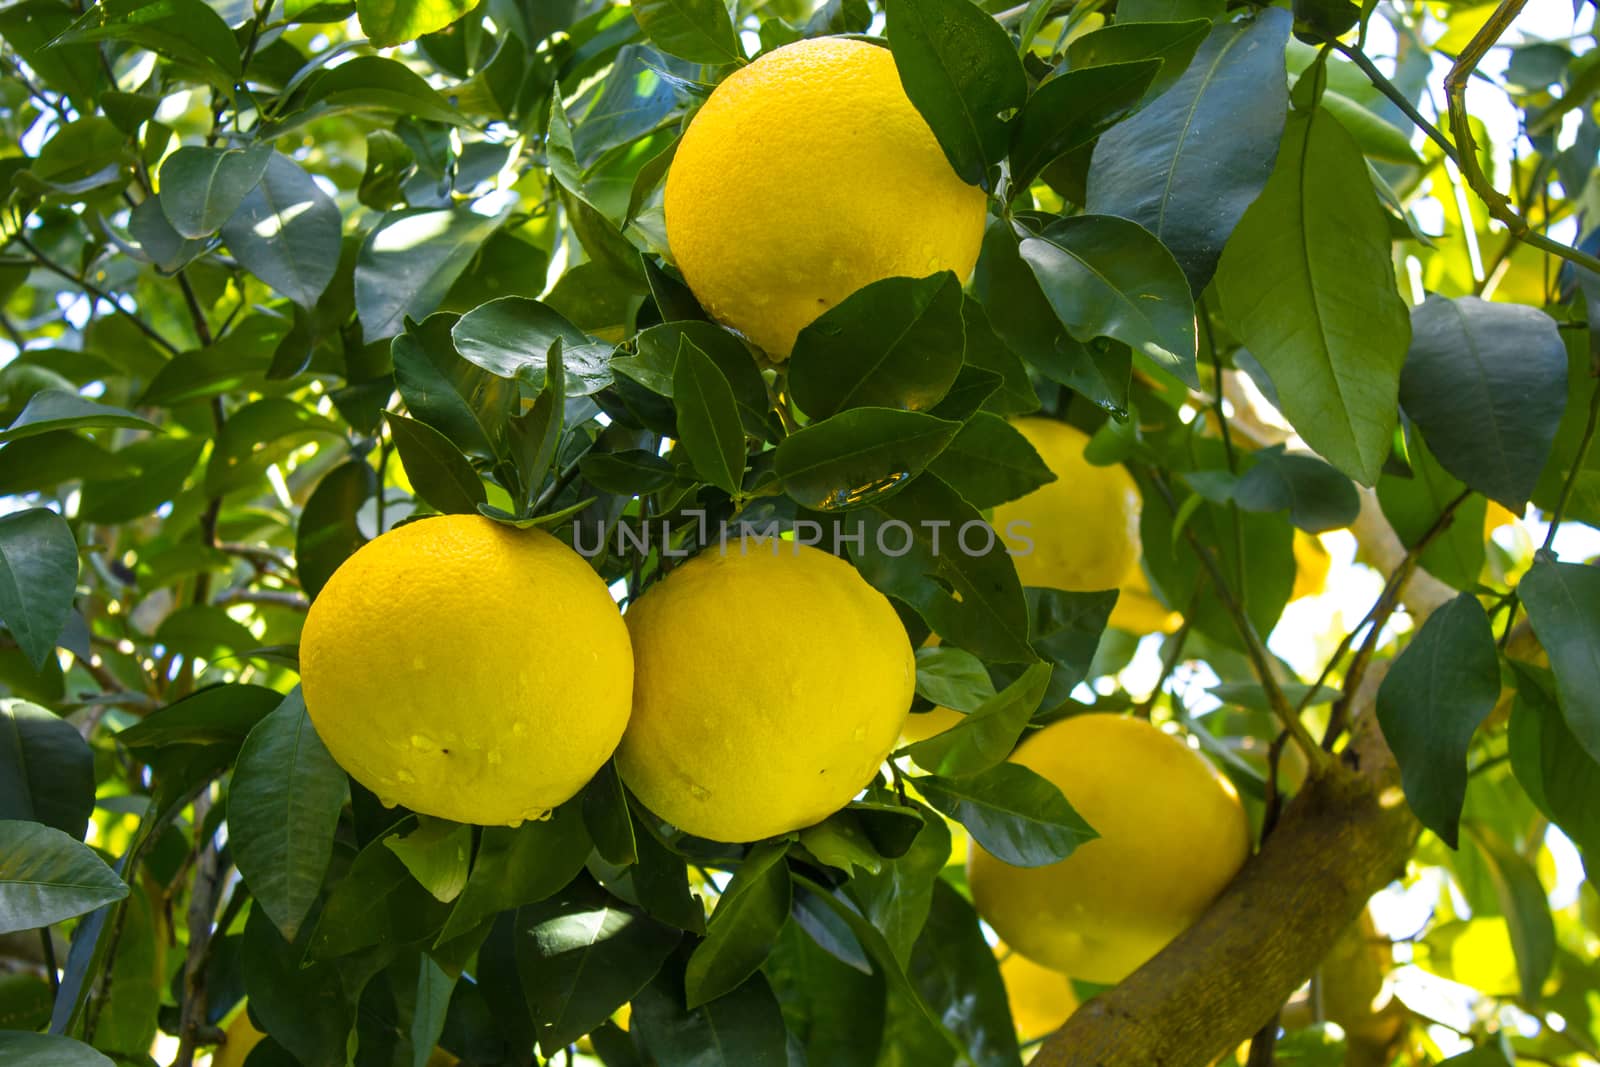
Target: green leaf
[631,472]
[46,769]
[287,232]
[1316,495]
[371,83]
[283,808]
[216,715]
[1014,813]
[583,954]
[745,925]
[967,592]
[201,187]
[307,1009]
[519,865]
[1308,284]
[708,419]
[956,972]
[859,456]
[989,732]
[1563,602]
[985,351]
[1430,704]
[50,459]
[896,900]
[46,876]
[697,30]
[438,471]
[658,355]
[961,71]
[20,1049]
[392,22]
[952,678]
[605,814]
[833,1010]
[989,462]
[1187,166]
[169,250]
[187,31]
[742,1029]
[1024,319]
[1487,385]
[410,259]
[461,400]
[38,578]
[512,337]
[1173,44]
[58,409]
[1560,777]
[376,902]
[328,533]
[437,853]
[1412,506]
[1526,910]
[258,435]
[896,343]
[1072,109]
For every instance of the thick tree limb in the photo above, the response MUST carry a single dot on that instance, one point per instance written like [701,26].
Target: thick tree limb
[1346,834]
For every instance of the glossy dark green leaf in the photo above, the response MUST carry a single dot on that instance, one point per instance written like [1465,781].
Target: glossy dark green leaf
[520,865]
[988,733]
[833,1010]
[708,419]
[960,70]
[632,471]
[376,904]
[929,547]
[955,969]
[328,533]
[582,955]
[187,31]
[661,882]
[287,232]
[47,876]
[1017,815]
[1072,109]
[658,354]
[216,715]
[1487,385]
[1188,165]
[306,1008]
[1412,506]
[201,187]
[896,343]
[1019,313]
[1316,495]
[859,456]
[1563,602]
[986,351]
[742,1029]
[46,769]
[1308,284]
[1430,704]
[1526,909]
[169,250]
[989,463]
[54,458]
[372,83]
[282,810]
[605,814]
[461,400]
[38,577]
[1172,43]
[437,470]
[58,409]
[745,925]
[1065,629]
[410,259]
[438,855]
[697,30]
[19,1049]
[392,22]
[1559,776]
[512,337]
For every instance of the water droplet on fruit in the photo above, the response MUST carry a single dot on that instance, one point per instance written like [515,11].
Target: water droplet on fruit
[514,823]
[423,744]
[404,777]
[495,757]
[387,802]
[699,792]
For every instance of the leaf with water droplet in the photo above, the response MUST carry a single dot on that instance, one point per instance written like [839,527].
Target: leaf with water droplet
[859,456]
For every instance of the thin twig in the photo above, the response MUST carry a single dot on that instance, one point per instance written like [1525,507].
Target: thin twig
[49,947]
[1254,648]
[95,291]
[202,910]
[1392,91]
[281,598]
[1577,467]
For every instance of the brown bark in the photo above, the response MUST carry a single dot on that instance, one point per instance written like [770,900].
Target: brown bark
[1341,839]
